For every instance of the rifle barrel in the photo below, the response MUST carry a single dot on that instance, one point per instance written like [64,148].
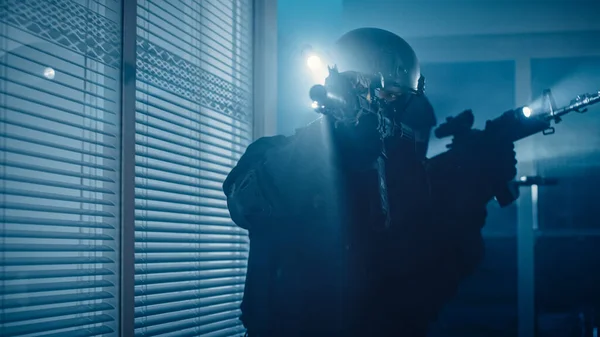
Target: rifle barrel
[579,103]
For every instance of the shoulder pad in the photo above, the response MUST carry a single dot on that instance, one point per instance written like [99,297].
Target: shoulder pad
[254,153]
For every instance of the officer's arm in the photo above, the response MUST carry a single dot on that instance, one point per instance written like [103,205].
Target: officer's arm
[248,187]
[461,209]
[270,182]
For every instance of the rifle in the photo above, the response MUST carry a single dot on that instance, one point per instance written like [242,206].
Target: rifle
[511,126]
[346,97]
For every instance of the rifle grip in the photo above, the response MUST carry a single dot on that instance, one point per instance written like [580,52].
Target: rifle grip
[506,193]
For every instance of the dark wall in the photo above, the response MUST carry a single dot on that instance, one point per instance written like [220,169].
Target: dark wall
[573,152]
[578,136]
[428,18]
[567,264]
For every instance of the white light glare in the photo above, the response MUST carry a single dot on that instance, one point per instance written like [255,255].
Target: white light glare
[314,62]
[49,73]
[314,105]
[526,111]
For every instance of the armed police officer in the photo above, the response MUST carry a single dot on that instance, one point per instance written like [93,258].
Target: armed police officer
[353,231]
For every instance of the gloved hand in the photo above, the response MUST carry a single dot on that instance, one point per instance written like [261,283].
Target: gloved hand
[469,173]
[485,164]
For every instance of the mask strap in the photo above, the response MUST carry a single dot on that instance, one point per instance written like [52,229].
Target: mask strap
[421,85]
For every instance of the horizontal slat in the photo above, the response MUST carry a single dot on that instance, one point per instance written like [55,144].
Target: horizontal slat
[54,222]
[40,59]
[181,301]
[17,106]
[147,135]
[155,170]
[153,103]
[56,248]
[185,229]
[240,17]
[56,235]
[173,209]
[198,219]
[108,122]
[165,108]
[55,312]
[222,327]
[168,106]
[56,146]
[53,286]
[23,71]
[61,60]
[46,182]
[33,274]
[152,183]
[189,294]
[181,9]
[57,95]
[156,150]
[149,198]
[155,268]
[188,276]
[192,175]
[200,325]
[227,328]
[44,300]
[56,196]
[86,140]
[206,31]
[201,315]
[25,329]
[174,258]
[163,154]
[176,238]
[45,169]
[209,285]
[87,332]
[207,144]
[54,209]
[156,96]
[25,152]
[39,261]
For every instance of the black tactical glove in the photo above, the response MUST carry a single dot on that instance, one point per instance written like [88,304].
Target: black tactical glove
[474,168]
[485,165]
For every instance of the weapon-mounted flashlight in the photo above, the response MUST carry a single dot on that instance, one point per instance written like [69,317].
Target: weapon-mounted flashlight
[314,63]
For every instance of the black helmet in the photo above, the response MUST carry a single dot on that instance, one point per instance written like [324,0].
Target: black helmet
[374,51]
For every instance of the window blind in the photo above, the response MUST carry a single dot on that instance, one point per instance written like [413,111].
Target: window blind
[193,122]
[60,64]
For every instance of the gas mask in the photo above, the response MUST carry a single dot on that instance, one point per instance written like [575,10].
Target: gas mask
[376,80]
